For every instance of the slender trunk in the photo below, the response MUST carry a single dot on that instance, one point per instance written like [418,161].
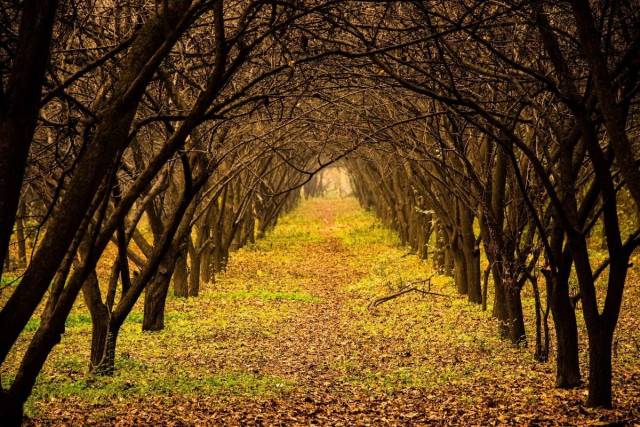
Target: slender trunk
[424,231]
[448,255]
[459,268]
[20,237]
[542,350]
[567,361]
[99,319]
[564,322]
[499,302]
[471,256]
[181,276]
[194,276]
[205,259]
[515,321]
[108,350]
[155,298]
[438,253]
[498,189]
[247,234]
[485,287]
[99,338]
[600,369]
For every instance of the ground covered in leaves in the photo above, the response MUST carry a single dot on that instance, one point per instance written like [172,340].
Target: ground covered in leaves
[286,336]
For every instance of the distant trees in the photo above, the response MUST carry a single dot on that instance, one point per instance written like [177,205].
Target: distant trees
[159,137]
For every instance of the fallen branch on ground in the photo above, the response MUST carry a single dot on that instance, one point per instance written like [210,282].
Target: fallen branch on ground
[411,287]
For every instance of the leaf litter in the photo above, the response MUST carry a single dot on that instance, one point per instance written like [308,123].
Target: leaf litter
[285,337]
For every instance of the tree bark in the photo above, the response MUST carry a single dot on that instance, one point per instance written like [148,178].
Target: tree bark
[20,237]
[517,333]
[19,108]
[181,276]
[471,256]
[499,310]
[564,322]
[11,411]
[195,274]
[439,251]
[155,298]
[99,319]
[107,363]
[600,343]
[459,267]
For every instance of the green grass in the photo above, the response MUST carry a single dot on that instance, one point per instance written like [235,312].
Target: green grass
[133,378]
[363,228]
[79,321]
[9,279]
[266,295]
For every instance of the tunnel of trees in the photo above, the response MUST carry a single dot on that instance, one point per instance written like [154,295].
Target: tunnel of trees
[499,140]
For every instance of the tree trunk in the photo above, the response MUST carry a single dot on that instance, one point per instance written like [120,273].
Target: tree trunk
[516,318]
[448,255]
[99,337]
[459,268]
[600,369]
[567,362]
[20,237]
[438,253]
[194,276]
[473,274]
[155,298]
[181,276]
[542,328]
[251,229]
[108,349]
[485,287]
[206,260]
[10,410]
[564,322]
[99,319]
[471,255]
[499,302]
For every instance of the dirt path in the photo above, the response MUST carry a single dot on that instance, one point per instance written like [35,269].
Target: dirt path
[317,346]
[285,337]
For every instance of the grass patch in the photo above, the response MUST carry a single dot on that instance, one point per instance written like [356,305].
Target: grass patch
[267,295]
[9,279]
[78,320]
[363,228]
[75,320]
[133,378]
[32,325]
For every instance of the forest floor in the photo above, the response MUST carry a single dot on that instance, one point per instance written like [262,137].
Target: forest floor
[286,336]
